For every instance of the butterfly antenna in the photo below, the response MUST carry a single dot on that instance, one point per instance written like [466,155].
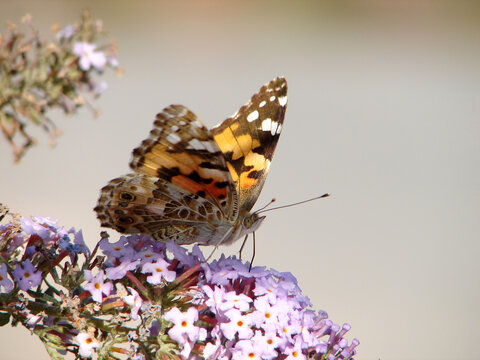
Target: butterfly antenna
[268,204]
[294,204]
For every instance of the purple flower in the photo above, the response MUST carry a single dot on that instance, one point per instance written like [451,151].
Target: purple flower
[295,350]
[117,249]
[88,56]
[239,324]
[239,301]
[65,33]
[246,349]
[147,255]
[33,320]
[267,314]
[135,301]
[215,299]
[159,271]
[87,343]
[184,331]
[269,343]
[77,247]
[233,313]
[27,276]
[112,61]
[31,227]
[224,276]
[100,87]
[5,282]
[46,221]
[44,227]
[118,272]
[269,287]
[18,241]
[80,246]
[96,285]
[181,254]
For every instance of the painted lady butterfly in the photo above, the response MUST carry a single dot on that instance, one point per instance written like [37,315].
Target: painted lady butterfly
[195,185]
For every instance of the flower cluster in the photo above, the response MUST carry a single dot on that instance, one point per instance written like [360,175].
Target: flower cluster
[38,74]
[148,300]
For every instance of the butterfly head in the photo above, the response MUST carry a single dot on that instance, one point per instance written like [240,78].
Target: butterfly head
[251,222]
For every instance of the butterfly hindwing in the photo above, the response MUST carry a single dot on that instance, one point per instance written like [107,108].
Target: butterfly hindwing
[139,203]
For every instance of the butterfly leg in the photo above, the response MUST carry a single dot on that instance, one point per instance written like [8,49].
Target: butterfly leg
[253,255]
[227,234]
[241,247]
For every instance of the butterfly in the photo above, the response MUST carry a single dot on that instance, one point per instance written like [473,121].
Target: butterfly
[195,185]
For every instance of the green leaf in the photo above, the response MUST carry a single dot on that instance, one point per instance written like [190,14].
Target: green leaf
[4,318]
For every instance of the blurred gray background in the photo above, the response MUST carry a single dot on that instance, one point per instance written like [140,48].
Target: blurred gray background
[384,103]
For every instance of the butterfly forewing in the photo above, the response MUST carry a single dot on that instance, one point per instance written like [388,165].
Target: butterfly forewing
[181,151]
[249,137]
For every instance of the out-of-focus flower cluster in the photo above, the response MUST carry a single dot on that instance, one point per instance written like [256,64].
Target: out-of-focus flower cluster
[143,299]
[38,74]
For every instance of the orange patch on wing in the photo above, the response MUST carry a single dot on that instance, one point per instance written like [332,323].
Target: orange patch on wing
[233,173]
[226,141]
[245,142]
[159,157]
[239,145]
[187,184]
[186,163]
[218,193]
[259,163]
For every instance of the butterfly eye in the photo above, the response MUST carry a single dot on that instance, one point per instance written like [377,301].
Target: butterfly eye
[247,222]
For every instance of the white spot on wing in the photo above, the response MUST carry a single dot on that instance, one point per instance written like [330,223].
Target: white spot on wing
[209,146]
[181,123]
[262,104]
[252,116]
[273,97]
[195,144]
[174,128]
[173,138]
[282,100]
[279,129]
[274,127]
[201,145]
[182,112]
[267,124]
[197,124]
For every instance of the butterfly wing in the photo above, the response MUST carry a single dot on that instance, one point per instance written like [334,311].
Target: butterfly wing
[249,137]
[181,187]
[181,150]
[138,203]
